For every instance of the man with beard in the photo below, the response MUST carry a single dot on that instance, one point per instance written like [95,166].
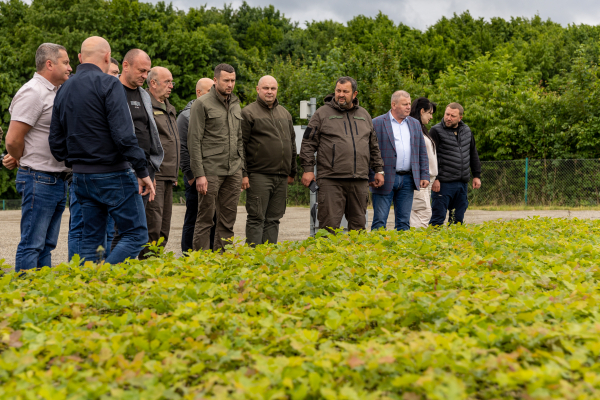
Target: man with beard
[216,153]
[457,160]
[342,134]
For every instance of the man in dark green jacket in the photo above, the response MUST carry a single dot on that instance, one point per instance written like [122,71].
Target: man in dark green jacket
[216,158]
[270,153]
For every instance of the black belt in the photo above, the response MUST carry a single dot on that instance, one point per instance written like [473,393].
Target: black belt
[403,172]
[58,175]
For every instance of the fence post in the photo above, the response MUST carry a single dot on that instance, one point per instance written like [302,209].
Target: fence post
[526,177]
[3,205]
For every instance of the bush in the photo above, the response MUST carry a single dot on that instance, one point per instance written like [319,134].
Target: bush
[499,310]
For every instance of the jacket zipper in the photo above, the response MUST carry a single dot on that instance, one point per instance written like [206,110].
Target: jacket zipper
[352,135]
[333,157]
[462,161]
[174,137]
[280,139]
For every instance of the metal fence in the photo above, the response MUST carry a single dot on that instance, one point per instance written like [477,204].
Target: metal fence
[567,183]
[538,182]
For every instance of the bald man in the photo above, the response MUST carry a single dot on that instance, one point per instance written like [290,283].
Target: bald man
[270,148]
[136,66]
[92,131]
[191,194]
[158,213]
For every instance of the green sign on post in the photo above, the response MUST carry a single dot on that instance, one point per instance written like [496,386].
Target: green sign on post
[526,177]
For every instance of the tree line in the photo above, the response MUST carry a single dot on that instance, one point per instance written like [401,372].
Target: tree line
[530,87]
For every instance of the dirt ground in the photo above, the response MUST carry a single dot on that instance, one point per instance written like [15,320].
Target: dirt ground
[294,226]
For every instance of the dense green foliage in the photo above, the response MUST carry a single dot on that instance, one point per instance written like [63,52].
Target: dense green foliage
[494,311]
[530,87]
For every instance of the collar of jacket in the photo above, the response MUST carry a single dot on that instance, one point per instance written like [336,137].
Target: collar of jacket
[330,101]
[88,67]
[232,97]
[156,151]
[156,104]
[459,127]
[265,105]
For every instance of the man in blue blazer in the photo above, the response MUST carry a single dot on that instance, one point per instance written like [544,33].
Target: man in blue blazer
[406,165]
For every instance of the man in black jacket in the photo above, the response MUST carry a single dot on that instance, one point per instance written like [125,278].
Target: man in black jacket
[92,132]
[457,159]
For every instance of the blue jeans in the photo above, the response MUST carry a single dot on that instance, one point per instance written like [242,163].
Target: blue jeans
[76,227]
[113,194]
[402,196]
[452,196]
[44,198]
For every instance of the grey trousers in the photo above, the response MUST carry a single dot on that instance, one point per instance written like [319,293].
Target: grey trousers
[265,203]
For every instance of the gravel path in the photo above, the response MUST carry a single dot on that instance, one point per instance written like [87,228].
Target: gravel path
[294,226]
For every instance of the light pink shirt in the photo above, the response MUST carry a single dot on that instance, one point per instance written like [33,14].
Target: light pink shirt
[33,105]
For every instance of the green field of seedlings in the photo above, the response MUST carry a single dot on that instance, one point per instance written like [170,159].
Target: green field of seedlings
[503,310]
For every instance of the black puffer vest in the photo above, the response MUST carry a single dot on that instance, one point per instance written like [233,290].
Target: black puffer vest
[453,152]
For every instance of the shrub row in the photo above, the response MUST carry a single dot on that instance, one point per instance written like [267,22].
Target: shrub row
[492,311]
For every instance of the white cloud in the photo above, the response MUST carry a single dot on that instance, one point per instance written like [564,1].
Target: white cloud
[421,14]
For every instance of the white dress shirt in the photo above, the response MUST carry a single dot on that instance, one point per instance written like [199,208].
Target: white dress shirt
[402,142]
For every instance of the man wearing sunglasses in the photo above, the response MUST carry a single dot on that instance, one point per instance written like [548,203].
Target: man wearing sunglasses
[158,213]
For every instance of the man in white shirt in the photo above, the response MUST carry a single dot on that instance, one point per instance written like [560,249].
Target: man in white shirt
[405,163]
[41,180]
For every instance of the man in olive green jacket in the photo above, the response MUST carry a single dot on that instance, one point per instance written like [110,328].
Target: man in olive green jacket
[216,158]
[342,134]
[159,211]
[270,153]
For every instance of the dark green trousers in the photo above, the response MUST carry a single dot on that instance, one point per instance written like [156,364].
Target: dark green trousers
[265,203]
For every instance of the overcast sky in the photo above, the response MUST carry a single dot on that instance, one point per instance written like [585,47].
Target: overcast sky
[424,13]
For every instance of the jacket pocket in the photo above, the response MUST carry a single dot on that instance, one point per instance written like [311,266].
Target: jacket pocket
[237,120]
[333,157]
[215,114]
[211,151]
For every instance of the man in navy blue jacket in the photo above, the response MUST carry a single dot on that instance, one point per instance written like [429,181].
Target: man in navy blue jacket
[93,133]
[406,164]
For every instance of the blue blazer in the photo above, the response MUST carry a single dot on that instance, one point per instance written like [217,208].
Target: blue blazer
[387,146]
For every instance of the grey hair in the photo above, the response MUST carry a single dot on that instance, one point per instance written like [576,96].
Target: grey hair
[151,76]
[47,51]
[399,93]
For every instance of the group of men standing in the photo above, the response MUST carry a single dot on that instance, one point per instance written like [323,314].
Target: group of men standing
[117,149]
[391,154]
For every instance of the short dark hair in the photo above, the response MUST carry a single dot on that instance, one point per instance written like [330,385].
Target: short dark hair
[47,51]
[223,67]
[346,79]
[114,61]
[457,106]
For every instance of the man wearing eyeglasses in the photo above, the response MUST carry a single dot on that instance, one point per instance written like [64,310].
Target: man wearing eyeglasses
[158,213]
